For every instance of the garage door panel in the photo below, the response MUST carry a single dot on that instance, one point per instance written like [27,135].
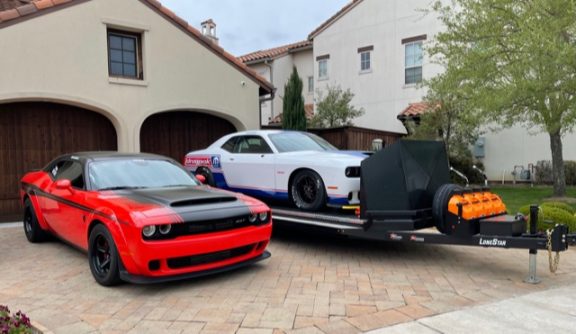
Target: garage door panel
[174,134]
[34,133]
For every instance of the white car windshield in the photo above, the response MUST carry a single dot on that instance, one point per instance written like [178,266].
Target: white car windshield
[137,173]
[299,141]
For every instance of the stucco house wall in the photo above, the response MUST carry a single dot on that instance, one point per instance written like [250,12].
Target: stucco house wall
[383,25]
[62,57]
[275,65]
[382,92]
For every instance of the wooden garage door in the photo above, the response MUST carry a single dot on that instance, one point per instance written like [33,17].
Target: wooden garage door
[174,134]
[34,133]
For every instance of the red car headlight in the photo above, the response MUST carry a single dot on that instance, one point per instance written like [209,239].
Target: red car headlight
[149,231]
[263,217]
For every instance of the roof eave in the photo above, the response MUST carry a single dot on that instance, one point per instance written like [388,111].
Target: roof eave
[300,49]
[333,19]
[258,61]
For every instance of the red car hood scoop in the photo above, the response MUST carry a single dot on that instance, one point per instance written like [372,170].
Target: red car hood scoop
[179,197]
[198,201]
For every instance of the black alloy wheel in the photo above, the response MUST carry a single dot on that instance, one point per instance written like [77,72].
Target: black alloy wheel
[34,233]
[103,257]
[207,175]
[307,191]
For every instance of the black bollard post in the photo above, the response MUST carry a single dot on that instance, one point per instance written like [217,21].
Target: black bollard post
[532,278]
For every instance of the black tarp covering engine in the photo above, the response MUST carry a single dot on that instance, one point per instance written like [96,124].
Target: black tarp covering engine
[403,177]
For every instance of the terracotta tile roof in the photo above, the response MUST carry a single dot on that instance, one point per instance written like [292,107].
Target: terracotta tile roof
[415,110]
[308,109]
[10,4]
[15,9]
[274,52]
[334,18]
[12,11]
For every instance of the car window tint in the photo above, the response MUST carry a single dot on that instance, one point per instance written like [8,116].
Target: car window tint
[138,173]
[69,170]
[293,141]
[229,145]
[252,144]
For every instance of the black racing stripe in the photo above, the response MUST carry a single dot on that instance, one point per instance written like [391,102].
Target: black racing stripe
[190,203]
[31,188]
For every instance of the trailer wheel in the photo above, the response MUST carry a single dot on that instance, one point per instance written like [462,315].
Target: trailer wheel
[440,206]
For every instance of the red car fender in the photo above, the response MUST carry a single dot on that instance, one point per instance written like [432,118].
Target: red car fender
[118,230]
[36,207]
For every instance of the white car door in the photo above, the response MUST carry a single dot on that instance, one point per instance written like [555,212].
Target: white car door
[250,165]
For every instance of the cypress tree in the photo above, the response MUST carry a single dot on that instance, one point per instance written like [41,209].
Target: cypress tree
[294,117]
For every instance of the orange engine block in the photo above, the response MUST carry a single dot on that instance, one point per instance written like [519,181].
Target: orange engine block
[476,205]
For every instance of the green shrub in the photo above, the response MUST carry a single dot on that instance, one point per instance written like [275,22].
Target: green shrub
[464,164]
[548,216]
[543,172]
[570,170]
[560,205]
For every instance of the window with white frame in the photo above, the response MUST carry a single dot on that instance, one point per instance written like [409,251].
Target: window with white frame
[413,59]
[323,67]
[365,58]
[311,84]
[365,61]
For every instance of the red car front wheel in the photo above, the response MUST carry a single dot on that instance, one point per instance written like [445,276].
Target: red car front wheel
[34,233]
[103,257]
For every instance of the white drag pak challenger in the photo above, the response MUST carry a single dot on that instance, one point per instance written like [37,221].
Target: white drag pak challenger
[290,166]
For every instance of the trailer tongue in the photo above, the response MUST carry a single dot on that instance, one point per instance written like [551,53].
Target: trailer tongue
[406,190]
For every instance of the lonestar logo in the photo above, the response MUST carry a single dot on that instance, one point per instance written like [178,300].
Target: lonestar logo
[495,242]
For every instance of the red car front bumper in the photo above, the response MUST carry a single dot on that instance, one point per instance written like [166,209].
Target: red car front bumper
[194,255]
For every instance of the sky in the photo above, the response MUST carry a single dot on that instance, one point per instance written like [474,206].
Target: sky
[244,26]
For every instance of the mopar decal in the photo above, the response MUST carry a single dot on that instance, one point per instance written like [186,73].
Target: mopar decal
[216,161]
[210,161]
[396,237]
[495,242]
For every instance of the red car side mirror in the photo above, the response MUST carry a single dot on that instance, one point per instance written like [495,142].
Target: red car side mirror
[64,184]
[201,178]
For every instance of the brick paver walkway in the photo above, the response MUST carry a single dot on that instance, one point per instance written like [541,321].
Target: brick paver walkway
[312,284]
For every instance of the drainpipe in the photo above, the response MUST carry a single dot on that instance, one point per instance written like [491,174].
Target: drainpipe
[267,64]
[265,99]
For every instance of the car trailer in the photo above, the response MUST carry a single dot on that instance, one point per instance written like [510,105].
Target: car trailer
[406,191]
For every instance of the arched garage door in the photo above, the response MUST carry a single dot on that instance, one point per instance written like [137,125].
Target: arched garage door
[33,133]
[174,134]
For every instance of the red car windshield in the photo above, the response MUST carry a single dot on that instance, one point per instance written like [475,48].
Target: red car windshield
[137,173]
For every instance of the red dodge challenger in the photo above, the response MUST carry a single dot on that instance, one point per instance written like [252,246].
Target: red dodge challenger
[142,218]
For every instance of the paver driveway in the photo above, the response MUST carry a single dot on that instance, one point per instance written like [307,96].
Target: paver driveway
[312,284]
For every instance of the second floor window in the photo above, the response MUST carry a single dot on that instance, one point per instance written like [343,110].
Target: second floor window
[323,67]
[124,55]
[365,61]
[366,58]
[413,63]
